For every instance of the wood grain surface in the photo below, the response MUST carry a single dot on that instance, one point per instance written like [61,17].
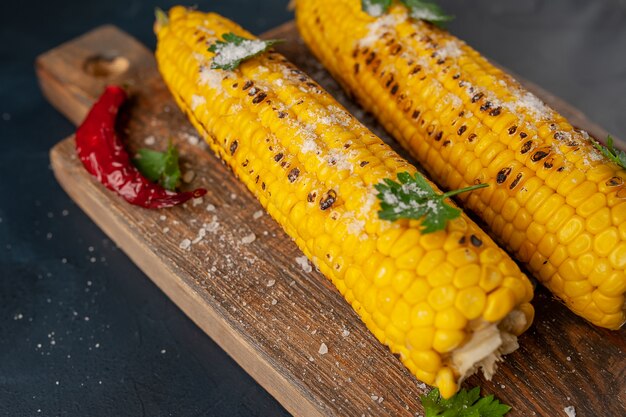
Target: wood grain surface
[255,300]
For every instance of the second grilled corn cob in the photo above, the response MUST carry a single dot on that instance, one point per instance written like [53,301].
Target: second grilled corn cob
[554,201]
[448,303]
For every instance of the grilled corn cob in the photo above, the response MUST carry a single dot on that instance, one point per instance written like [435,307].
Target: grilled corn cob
[554,201]
[448,303]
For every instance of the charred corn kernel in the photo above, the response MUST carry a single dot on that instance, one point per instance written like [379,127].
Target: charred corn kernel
[466,121]
[301,154]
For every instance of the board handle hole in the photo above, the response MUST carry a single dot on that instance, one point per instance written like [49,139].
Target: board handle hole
[104,66]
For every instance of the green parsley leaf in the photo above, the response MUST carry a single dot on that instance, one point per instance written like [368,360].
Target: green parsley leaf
[412,197]
[375,7]
[234,49]
[418,9]
[160,166]
[463,404]
[426,10]
[615,155]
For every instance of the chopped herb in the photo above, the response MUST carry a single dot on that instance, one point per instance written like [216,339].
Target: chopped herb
[413,198]
[160,166]
[234,49]
[426,10]
[615,155]
[161,17]
[419,9]
[463,404]
[375,7]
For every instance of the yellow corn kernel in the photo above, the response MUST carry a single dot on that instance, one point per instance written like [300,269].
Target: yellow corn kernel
[428,360]
[613,286]
[606,303]
[490,278]
[575,289]
[498,303]
[421,338]
[428,263]
[467,276]
[618,257]
[422,315]
[387,239]
[570,229]
[385,273]
[321,204]
[446,382]
[410,259]
[400,316]
[447,340]
[605,241]
[441,276]
[471,302]
[441,298]
[548,185]
[450,319]
[386,300]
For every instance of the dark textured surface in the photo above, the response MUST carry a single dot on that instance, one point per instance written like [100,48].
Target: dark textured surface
[82,331]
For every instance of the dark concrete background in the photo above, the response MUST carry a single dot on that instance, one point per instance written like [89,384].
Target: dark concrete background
[82,331]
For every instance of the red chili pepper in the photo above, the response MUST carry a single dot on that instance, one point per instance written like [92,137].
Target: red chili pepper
[104,156]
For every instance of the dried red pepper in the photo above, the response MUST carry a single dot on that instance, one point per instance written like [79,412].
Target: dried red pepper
[104,156]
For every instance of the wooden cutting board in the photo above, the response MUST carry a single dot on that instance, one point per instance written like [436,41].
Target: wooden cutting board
[255,300]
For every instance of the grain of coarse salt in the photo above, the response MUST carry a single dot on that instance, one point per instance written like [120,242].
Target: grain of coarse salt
[248,239]
[197,101]
[345,333]
[323,349]
[570,411]
[185,244]
[388,22]
[201,234]
[257,214]
[231,52]
[211,78]
[210,207]
[197,201]
[213,226]
[150,140]
[451,49]
[372,8]
[271,282]
[191,139]
[304,263]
